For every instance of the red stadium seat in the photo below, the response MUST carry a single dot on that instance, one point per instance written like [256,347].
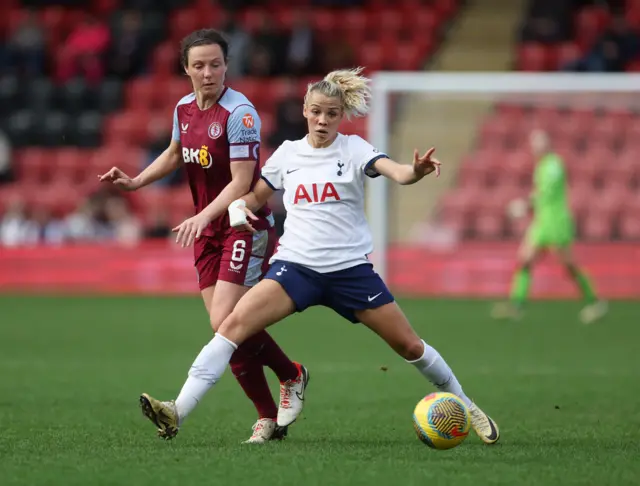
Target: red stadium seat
[165,59]
[423,20]
[407,57]
[355,126]
[629,226]
[532,57]
[69,165]
[576,127]
[128,158]
[354,25]
[170,91]
[127,128]
[489,225]
[182,22]
[445,8]
[371,55]
[608,131]
[596,225]
[33,165]
[140,94]
[387,20]
[496,132]
[325,21]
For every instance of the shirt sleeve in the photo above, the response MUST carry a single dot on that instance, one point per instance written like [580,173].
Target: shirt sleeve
[243,132]
[175,133]
[364,155]
[272,171]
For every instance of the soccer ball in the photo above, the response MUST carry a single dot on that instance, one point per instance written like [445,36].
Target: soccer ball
[441,420]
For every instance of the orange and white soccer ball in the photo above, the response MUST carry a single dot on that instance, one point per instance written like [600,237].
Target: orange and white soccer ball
[441,420]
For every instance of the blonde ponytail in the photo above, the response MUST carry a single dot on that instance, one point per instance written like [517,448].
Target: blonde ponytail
[348,85]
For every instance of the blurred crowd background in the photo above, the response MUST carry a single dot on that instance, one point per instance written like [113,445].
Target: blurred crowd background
[85,85]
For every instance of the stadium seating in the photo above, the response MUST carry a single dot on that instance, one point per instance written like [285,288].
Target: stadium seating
[601,150]
[65,134]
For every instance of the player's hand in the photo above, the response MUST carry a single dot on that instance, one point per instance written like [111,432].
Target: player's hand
[426,164]
[247,226]
[119,179]
[190,229]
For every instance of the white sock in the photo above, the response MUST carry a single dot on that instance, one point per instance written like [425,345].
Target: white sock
[437,371]
[205,372]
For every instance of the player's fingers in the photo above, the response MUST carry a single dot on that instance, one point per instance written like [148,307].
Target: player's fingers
[181,231]
[107,175]
[429,153]
[437,166]
[416,155]
[250,214]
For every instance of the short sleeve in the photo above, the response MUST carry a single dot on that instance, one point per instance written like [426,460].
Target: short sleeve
[175,133]
[243,133]
[272,171]
[364,155]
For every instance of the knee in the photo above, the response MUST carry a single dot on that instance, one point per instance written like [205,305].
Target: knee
[215,321]
[572,270]
[229,326]
[525,265]
[411,349]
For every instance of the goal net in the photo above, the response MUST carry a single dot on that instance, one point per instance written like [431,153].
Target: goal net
[480,124]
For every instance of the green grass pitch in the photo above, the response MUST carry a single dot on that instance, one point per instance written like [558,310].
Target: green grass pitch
[566,397]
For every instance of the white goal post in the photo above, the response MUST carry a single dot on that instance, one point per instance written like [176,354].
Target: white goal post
[463,85]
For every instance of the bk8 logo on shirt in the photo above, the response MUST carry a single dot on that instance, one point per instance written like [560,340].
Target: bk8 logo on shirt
[197,156]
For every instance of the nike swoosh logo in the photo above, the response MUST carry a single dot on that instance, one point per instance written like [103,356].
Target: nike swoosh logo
[374,297]
[291,170]
[494,432]
[300,396]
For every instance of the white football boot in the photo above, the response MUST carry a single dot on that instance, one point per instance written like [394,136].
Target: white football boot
[592,312]
[264,430]
[292,397]
[484,425]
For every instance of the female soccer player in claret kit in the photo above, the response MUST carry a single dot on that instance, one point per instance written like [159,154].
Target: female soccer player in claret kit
[322,256]
[216,135]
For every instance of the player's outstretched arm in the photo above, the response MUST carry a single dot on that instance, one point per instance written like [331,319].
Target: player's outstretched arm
[405,174]
[165,164]
[241,210]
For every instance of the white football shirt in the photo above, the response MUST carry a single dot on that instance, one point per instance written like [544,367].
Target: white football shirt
[325,228]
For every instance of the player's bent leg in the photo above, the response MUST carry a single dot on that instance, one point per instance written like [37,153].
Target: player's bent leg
[390,323]
[528,254]
[247,362]
[264,305]
[595,308]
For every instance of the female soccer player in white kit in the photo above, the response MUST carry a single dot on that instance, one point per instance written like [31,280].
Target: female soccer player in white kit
[322,255]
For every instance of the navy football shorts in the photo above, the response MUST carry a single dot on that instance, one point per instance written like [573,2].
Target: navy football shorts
[344,291]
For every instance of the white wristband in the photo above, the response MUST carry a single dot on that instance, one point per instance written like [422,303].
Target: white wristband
[237,216]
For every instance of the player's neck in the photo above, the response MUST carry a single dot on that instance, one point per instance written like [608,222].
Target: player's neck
[317,144]
[206,102]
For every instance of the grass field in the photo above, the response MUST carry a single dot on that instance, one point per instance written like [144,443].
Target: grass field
[566,397]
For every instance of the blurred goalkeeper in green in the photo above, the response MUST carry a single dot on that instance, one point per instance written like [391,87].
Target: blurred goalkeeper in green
[552,229]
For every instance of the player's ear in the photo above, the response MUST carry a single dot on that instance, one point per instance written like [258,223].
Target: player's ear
[305,113]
